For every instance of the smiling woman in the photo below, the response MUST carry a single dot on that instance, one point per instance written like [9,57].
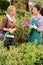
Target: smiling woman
[37,27]
[9,23]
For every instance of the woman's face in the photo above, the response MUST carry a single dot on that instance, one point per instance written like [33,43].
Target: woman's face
[13,12]
[35,11]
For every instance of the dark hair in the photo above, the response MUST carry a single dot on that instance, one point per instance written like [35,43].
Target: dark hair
[41,11]
[39,8]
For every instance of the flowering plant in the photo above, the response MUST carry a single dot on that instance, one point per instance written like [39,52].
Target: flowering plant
[25,26]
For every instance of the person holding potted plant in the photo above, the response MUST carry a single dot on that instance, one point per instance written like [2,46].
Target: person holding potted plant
[37,25]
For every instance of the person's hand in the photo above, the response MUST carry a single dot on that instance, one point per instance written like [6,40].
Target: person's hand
[33,26]
[11,31]
[14,29]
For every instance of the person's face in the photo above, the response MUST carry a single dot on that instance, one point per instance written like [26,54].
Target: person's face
[13,12]
[35,11]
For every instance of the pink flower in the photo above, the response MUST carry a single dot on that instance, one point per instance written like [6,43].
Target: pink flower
[26,23]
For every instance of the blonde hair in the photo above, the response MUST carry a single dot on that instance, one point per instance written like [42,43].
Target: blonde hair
[10,8]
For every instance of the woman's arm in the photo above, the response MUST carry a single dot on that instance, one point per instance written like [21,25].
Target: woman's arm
[14,24]
[4,20]
[40,26]
[39,30]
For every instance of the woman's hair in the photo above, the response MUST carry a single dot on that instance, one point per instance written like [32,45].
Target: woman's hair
[10,8]
[41,12]
[39,8]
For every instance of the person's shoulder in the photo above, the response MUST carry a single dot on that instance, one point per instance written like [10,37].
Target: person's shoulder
[32,17]
[41,20]
[41,17]
[4,18]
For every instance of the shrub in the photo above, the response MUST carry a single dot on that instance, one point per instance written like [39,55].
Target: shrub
[3,4]
[20,35]
[24,54]
[40,2]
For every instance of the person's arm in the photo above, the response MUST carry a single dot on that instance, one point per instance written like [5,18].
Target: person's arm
[4,20]
[40,26]
[39,29]
[14,29]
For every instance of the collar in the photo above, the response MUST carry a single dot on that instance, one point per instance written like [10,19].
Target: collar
[39,17]
[8,16]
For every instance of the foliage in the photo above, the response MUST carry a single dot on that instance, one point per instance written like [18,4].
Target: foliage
[2,12]
[4,4]
[40,2]
[21,15]
[19,4]
[24,54]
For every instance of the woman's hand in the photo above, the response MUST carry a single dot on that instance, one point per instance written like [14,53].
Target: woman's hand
[12,30]
[33,26]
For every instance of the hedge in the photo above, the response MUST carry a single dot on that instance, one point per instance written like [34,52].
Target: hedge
[24,54]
